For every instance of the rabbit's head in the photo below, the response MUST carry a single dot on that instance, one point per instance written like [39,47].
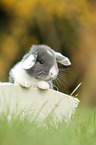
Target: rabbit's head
[41,62]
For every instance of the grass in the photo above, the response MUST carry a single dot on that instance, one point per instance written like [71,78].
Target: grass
[80,131]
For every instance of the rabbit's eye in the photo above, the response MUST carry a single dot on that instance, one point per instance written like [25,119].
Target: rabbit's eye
[41,61]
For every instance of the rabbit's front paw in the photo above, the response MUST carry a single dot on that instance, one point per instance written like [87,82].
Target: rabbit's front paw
[23,82]
[43,85]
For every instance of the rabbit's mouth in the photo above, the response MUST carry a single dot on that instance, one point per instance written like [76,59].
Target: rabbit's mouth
[48,77]
[52,75]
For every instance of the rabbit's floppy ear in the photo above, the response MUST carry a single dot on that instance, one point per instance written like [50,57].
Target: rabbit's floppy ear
[29,61]
[62,59]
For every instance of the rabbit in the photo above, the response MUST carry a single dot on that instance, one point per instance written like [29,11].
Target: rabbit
[38,67]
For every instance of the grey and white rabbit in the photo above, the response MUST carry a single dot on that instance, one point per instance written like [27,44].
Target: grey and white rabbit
[38,67]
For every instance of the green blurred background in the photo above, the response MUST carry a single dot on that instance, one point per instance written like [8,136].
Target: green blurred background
[67,26]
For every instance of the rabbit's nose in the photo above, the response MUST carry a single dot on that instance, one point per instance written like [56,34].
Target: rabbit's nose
[53,72]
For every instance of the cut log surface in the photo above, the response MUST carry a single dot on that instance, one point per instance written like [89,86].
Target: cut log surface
[36,103]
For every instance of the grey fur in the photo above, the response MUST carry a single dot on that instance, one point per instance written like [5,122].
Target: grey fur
[42,57]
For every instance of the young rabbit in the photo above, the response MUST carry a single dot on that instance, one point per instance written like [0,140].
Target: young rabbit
[38,67]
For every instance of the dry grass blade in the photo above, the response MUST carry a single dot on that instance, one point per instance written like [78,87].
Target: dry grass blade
[76,89]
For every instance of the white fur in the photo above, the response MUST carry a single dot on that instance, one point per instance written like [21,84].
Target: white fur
[53,72]
[43,85]
[29,62]
[21,77]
